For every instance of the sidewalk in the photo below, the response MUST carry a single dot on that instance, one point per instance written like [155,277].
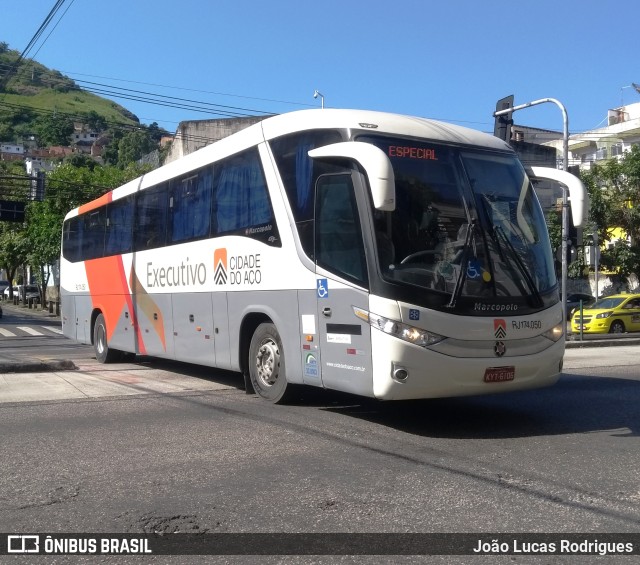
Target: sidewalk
[37,311]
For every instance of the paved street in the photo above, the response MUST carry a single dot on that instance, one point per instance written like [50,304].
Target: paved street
[158,446]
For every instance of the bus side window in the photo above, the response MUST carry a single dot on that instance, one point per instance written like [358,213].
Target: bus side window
[151,218]
[191,207]
[241,199]
[299,174]
[119,225]
[338,239]
[93,234]
[72,241]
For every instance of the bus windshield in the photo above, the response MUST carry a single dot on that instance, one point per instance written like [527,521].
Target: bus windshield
[467,226]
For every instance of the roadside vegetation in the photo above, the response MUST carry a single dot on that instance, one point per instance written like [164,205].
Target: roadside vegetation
[614,193]
[42,104]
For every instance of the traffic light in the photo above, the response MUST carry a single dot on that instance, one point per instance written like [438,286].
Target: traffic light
[40,179]
[503,123]
[572,253]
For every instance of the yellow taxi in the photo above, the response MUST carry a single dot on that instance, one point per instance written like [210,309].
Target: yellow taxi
[614,314]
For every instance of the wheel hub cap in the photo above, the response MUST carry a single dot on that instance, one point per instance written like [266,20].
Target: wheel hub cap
[268,362]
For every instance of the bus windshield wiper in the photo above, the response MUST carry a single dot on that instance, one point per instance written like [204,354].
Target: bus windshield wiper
[462,275]
[533,289]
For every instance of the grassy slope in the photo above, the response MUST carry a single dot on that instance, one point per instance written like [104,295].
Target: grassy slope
[41,88]
[75,103]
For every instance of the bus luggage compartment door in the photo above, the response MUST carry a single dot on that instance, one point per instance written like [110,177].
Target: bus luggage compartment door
[193,335]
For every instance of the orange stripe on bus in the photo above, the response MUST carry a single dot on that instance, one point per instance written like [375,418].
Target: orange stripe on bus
[104,199]
[108,288]
[148,306]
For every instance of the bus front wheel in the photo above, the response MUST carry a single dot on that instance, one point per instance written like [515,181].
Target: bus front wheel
[103,353]
[266,364]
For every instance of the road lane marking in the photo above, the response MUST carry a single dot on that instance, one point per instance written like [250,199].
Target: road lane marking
[52,329]
[6,333]
[30,331]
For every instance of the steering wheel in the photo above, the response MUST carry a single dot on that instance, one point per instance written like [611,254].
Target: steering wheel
[415,255]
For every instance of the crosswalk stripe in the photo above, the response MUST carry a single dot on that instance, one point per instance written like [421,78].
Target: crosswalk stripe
[29,330]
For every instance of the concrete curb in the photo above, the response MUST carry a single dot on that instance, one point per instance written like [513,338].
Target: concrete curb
[603,342]
[37,366]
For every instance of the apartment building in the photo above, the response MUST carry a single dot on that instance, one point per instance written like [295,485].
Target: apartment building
[611,141]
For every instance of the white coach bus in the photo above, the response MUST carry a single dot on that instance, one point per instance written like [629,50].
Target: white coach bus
[388,256]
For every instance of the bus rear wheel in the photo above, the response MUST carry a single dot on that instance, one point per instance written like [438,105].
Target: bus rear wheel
[103,353]
[267,366]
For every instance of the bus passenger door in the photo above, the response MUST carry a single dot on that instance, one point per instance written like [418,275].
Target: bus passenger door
[341,282]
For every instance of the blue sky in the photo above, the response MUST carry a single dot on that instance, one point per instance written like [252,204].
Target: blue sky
[445,59]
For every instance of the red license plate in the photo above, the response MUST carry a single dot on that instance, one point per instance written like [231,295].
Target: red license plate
[499,374]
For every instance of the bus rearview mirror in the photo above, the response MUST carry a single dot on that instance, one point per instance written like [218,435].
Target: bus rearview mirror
[375,163]
[577,192]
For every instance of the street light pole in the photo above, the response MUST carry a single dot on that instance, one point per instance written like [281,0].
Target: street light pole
[596,253]
[316,94]
[565,196]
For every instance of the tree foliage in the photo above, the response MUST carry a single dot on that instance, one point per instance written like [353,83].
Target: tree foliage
[37,242]
[54,129]
[614,192]
[43,229]
[134,145]
[14,247]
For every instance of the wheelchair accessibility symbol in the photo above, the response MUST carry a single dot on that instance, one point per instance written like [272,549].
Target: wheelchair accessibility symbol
[473,270]
[322,288]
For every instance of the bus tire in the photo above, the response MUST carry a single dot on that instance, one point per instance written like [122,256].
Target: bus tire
[103,353]
[267,365]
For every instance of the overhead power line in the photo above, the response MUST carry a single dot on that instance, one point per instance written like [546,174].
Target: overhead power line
[32,42]
[109,123]
[172,101]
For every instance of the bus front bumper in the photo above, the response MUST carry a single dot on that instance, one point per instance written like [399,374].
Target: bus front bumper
[403,371]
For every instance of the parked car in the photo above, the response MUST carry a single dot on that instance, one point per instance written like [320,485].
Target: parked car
[6,292]
[3,286]
[31,292]
[614,314]
[573,302]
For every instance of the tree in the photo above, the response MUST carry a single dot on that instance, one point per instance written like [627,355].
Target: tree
[67,187]
[133,146]
[95,121]
[44,225]
[81,160]
[614,192]
[13,250]
[110,152]
[54,129]
[576,268]
[156,132]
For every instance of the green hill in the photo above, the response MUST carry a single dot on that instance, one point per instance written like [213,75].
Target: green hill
[35,91]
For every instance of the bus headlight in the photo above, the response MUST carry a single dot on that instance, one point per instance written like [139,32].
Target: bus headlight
[555,333]
[417,336]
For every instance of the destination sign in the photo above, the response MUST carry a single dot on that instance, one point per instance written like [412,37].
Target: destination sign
[408,152]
